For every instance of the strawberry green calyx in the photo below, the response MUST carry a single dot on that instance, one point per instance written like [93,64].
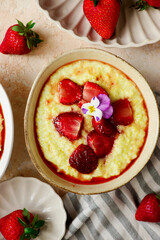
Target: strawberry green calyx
[32,38]
[145,4]
[141,5]
[31,229]
[95,2]
[157,196]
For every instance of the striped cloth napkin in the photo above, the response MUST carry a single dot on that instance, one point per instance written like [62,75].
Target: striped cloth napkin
[111,215]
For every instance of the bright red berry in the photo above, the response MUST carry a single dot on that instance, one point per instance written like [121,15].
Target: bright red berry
[104,126]
[83,159]
[69,124]
[20,224]
[101,144]
[69,92]
[149,209]
[153,3]
[144,4]
[103,15]
[122,112]
[91,90]
[19,39]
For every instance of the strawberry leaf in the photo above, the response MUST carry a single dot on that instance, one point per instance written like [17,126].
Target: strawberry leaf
[35,235]
[31,26]
[39,224]
[28,44]
[26,214]
[17,29]
[21,24]
[158,197]
[29,23]
[27,236]
[34,220]
[21,222]
[30,231]
[22,237]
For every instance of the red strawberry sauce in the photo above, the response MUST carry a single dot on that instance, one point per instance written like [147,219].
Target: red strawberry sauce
[95,180]
[2,133]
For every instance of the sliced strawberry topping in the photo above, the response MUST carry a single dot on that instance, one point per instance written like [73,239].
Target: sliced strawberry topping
[101,144]
[83,159]
[91,90]
[104,126]
[69,124]
[122,112]
[81,103]
[69,92]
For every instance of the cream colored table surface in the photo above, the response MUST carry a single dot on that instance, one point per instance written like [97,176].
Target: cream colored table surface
[17,73]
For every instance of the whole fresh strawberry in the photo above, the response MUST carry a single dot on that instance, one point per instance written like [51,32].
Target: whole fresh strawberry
[149,209]
[103,15]
[20,225]
[19,39]
[144,4]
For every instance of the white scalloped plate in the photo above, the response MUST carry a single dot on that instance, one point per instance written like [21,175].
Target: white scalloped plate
[37,197]
[134,28]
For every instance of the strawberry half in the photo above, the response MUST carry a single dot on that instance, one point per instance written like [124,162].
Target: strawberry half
[69,124]
[83,159]
[101,144]
[103,15]
[122,112]
[91,90]
[20,224]
[69,92]
[20,39]
[149,209]
[104,126]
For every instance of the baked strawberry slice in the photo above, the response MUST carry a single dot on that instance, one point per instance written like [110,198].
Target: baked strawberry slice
[101,144]
[83,159]
[69,124]
[69,92]
[91,90]
[104,126]
[122,112]
[81,103]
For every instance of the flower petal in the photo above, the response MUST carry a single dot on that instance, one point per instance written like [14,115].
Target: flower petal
[108,113]
[97,114]
[95,102]
[85,107]
[84,110]
[104,102]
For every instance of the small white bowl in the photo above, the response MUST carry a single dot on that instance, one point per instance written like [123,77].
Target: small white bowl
[9,130]
[153,125]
